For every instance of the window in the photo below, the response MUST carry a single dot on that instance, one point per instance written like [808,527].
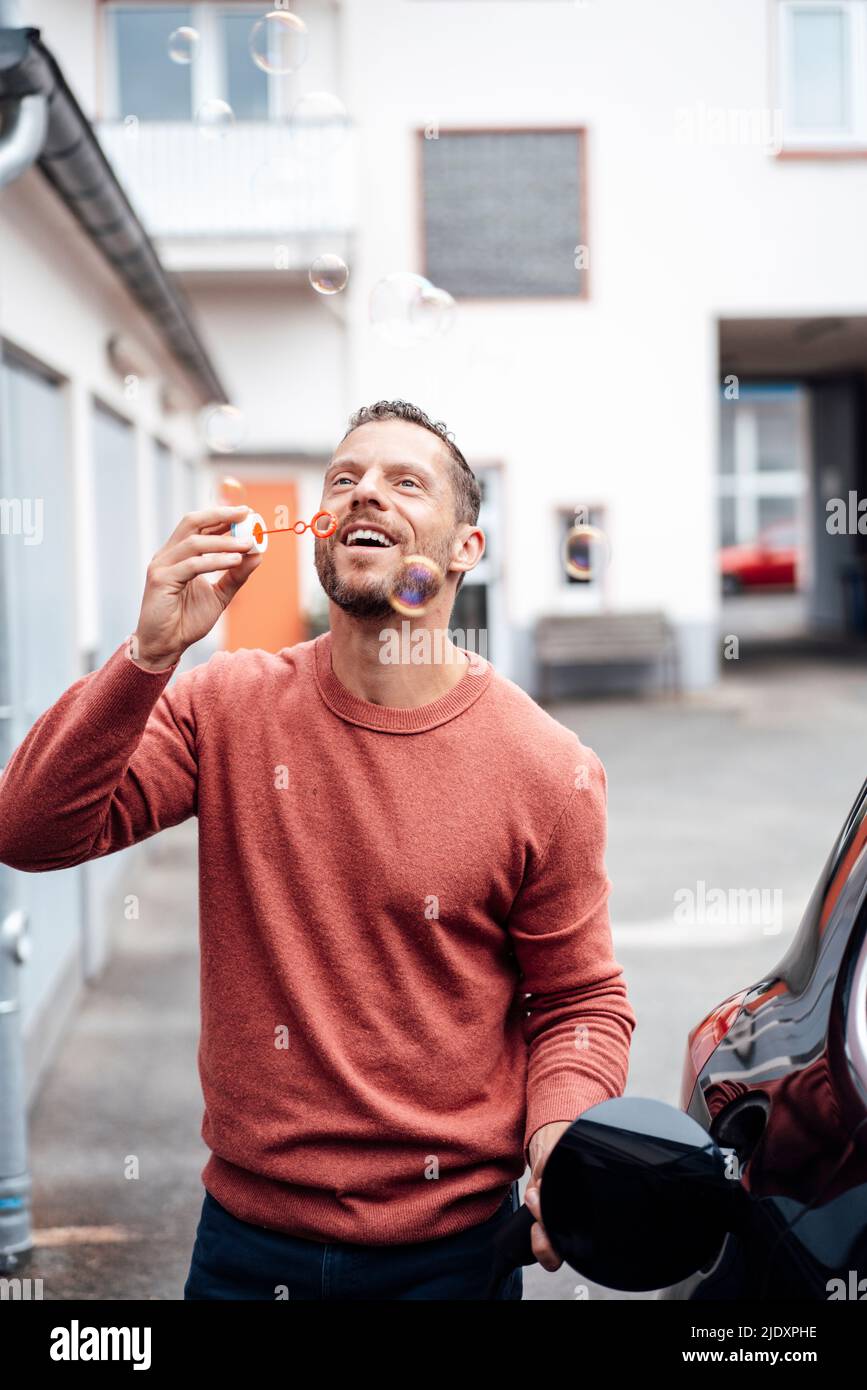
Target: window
[728,524]
[483,235]
[39,622]
[149,85]
[145,81]
[818,59]
[120,575]
[477,618]
[470,616]
[776,435]
[245,86]
[37,547]
[779,521]
[762,461]
[164,502]
[822,49]
[587,559]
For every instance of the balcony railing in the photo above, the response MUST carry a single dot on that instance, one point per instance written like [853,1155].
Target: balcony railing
[254,180]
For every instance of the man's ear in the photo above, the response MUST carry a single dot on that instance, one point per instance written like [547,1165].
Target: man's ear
[477,553]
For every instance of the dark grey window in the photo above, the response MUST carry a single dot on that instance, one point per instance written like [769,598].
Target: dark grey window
[503,212]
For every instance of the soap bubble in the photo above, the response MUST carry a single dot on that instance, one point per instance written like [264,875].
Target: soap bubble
[406,308]
[231,492]
[586,552]
[329,274]
[223,428]
[320,125]
[418,581]
[183,43]
[432,311]
[278,42]
[214,117]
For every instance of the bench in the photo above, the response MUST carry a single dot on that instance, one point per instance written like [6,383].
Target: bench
[606,639]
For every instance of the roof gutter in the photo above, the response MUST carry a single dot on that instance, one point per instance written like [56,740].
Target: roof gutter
[42,121]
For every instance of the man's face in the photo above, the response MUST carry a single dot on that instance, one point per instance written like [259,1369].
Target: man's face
[389,476]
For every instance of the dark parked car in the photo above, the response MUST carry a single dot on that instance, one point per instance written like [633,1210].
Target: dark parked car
[757,1187]
[778,1073]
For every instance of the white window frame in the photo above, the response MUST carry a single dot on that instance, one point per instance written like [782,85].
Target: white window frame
[747,483]
[208,69]
[794,137]
[278,88]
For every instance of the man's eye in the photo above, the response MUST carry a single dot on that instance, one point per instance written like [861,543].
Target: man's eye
[344,479]
[409,480]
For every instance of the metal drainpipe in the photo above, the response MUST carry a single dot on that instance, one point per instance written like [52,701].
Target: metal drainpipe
[25,121]
[22,134]
[15,1236]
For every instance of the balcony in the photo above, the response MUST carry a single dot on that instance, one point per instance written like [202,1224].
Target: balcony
[253,196]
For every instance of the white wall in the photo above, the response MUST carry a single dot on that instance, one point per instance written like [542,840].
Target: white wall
[281,352]
[69,29]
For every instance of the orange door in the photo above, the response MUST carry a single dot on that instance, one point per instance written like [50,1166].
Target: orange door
[266,612]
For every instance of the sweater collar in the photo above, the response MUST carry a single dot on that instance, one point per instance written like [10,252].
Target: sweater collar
[391,718]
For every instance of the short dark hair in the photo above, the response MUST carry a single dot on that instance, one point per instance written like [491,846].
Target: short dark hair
[465,484]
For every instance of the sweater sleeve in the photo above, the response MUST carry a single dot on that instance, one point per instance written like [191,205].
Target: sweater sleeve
[577,1021]
[111,762]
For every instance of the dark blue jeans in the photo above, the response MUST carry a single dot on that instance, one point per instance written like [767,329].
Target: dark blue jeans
[235,1260]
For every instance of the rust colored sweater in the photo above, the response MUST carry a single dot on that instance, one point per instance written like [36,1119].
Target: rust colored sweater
[380,891]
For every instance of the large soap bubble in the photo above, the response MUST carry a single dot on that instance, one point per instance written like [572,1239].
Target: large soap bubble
[406,308]
[278,42]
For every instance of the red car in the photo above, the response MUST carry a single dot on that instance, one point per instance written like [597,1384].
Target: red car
[772,559]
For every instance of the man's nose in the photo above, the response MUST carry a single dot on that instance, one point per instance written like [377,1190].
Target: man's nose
[368,489]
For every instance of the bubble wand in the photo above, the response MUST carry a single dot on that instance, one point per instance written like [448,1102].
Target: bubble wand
[253,525]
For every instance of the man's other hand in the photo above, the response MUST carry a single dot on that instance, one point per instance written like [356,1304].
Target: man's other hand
[540,1146]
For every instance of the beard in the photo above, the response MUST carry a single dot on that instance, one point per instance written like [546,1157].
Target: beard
[361,595]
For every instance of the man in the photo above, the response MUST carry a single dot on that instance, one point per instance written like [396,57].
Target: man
[407,981]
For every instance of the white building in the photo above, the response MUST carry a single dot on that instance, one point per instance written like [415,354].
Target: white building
[631,205]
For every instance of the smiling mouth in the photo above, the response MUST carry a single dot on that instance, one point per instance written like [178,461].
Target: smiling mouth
[368,540]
